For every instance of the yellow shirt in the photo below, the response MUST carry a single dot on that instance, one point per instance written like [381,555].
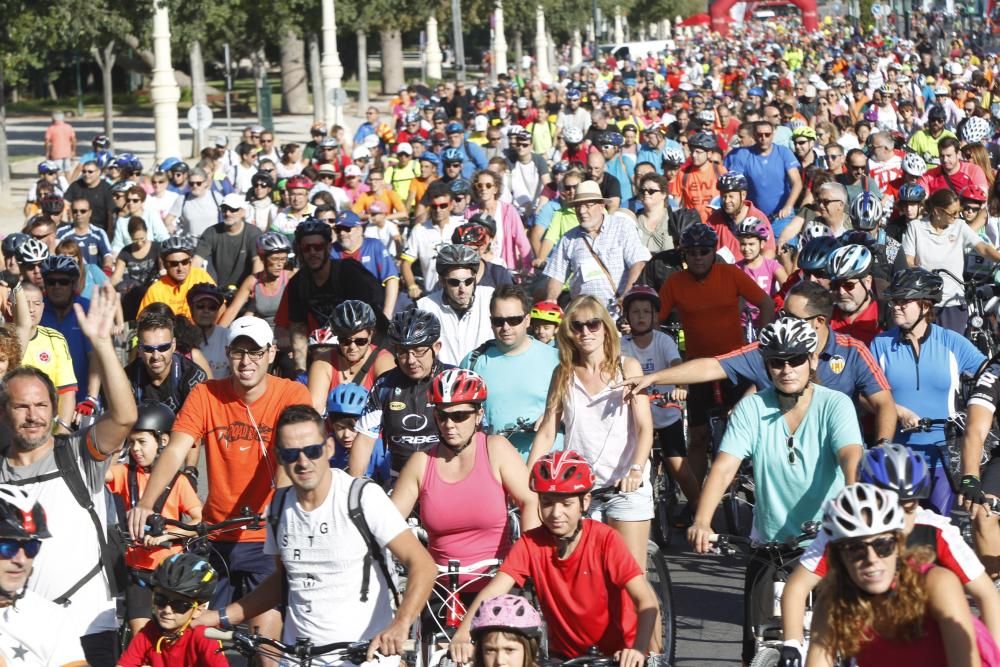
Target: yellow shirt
[48,352]
[399,178]
[166,290]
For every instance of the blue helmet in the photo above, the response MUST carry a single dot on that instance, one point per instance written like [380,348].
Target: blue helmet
[699,235]
[346,399]
[912,193]
[897,468]
[816,253]
[452,155]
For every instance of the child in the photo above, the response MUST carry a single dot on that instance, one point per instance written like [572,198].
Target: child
[506,630]
[379,227]
[343,407]
[766,272]
[182,586]
[545,319]
[128,481]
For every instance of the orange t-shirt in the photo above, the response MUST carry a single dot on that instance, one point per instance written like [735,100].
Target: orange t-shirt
[387,197]
[60,137]
[181,500]
[697,187]
[710,307]
[239,446]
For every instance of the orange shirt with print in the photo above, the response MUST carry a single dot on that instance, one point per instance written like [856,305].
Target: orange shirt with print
[697,187]
[709,307]
[182,499]
[239,446]
[388,197]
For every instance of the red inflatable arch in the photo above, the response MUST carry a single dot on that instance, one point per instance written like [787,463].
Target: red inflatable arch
[719,11]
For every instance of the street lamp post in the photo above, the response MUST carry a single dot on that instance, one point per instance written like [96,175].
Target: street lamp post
[330,66]
[456,32]
[432,56]
[499,42]
[164,89]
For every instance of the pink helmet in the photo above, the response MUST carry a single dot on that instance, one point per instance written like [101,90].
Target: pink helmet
[511,613]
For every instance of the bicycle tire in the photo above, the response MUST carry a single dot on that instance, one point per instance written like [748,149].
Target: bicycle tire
[664,506]
[766,657]
[658,576]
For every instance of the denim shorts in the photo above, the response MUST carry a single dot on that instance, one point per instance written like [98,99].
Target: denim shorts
[635,506]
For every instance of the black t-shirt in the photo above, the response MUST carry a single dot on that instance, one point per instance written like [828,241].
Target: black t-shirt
[101,203]
[184,376]
[230,257]
[495,275]
[610,187]
[141,271]
[313,305]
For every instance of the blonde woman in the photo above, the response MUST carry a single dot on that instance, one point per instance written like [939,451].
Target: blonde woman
[614,435]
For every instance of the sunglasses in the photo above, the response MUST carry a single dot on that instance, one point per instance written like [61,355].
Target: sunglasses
[134,200]
[858,167]
[802,142]
[174,263]
[80,211]
[699,252]
[649,191]
[764,135]
[456,417]
[485,186]
[441,207]
[590,325]
[179,605]
[312,247]
[858,550]
[360,341]
[196,184]
[463,282]
[791,449]
[207,304]
[149,349]
[785,313]
[10,547]
[846,285]
[793,362]
[342,229]
[816,274]
[58,282]
[512,321]
[291,454]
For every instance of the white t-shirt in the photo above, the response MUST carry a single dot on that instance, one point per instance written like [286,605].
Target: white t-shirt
[241,176]
[661,353]
[423,244]
[323,553]
[161,204]
[941,251]
[460,335]
[34,633]
[385,234]
[215,352]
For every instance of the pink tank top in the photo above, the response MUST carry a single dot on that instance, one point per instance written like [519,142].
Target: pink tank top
[465,520]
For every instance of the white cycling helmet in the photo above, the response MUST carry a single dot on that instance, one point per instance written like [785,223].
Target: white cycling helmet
[814,230]
[861,510]
[914,165]
[572,135]
[673,157]
[867,211]
[787,337]
[32,251]
[976,130]
[850,261]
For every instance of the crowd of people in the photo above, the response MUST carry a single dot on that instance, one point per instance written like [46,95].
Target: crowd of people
[496,298]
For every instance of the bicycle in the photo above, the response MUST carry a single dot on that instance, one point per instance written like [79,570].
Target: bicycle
[521,425]
[666,492]
[592,658]
[302,652]
[658,576]
[781,557]
[981,299]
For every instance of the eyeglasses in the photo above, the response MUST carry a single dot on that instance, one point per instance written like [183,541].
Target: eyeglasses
[698,252]
[414,352]
[791,449]
[485,186]
[649,191]
[858,167]
[134,200]
[180,605]
[238,353]
[456,417]
[291,454]
[58,282]
[343,229]
[460,282]
[207,304]
[441,207]
[785,313]
[511,321]
[150,349]
[857,550]
[174,263]
[9,548]
[845,285]
[590,325]
[313,247]
[80,211]
[196,184]
[793,362]
[360,341]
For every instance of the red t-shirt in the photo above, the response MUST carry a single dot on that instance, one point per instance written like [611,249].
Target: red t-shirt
[720,222]
[865,328]
[193,649]
[583,598]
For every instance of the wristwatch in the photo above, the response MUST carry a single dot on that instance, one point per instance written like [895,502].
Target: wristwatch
[224,622]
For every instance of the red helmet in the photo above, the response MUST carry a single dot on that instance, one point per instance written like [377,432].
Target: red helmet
[457,385]
[973,193]
[547,311]
[298,183]
[470,234]
[563,472]
[639,291]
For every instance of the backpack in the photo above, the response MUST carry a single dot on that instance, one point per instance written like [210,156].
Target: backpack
[112,559]
[357,517]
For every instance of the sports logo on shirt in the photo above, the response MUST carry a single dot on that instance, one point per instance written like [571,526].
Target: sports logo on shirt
[44,357]
[837,364]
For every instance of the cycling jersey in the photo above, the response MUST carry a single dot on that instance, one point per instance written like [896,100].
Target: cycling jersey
[864,328]
[845,365]
[192,649]
[48,352]
[169,291]
[986,393]
[184,376]
[399,409]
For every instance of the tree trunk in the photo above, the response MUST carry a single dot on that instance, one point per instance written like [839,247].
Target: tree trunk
[198,93]
[106,61]
[146,59]
[259,61]
[53,95]
[294,83]
[315,78]
[392,61]
[362,69]
[4,158]
[518,50]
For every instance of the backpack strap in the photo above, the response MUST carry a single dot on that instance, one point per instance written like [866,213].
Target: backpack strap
[357,516]
[478,352]
[365,367]
[273,519]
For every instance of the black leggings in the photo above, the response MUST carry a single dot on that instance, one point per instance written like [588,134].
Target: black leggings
[101,648]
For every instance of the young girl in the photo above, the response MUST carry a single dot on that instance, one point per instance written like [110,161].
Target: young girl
[766,272]
[506,630]
[545,319]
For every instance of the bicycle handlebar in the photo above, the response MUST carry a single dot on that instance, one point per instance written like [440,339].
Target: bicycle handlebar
[354,651]
[924,425]
[248,521]
[725,543]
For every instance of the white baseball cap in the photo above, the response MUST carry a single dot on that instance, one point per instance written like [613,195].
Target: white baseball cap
[360,153]
[352,170]
[234,200]
[253,328]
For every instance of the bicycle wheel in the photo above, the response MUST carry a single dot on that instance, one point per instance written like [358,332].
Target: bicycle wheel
[658,577]
[767,657]
[664,508]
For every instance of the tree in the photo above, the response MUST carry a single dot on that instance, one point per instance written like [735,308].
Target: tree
[390,18]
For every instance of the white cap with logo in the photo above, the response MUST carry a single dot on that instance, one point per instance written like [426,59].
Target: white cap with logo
[253,328]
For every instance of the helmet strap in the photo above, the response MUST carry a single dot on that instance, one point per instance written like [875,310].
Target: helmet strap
[17,595]
[566,542]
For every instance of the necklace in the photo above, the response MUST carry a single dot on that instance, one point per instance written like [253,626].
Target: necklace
[346,375]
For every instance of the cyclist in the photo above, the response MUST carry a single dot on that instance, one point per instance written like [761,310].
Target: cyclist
[323,560]
[857,311]
[506,630]
[615,610]
[735,208]
[804,442]
[461,486]
[260,293]
[879,610]
[355,358]
[752,235]
[923,363]
[477,233]
[205,301]
[978,482]
[172,287]
[894,468]
[32,629]
[182,586]
[149,436]
[545,319]
[397,407]
[159,372]
[343,407]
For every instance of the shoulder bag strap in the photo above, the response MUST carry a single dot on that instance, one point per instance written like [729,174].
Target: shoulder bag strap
[600,262]
[365,367]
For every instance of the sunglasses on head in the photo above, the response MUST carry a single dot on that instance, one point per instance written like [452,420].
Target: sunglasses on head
[291,454]
[179,605]
[592,325]
[776,364]
[9,548]
[512,321]
[858,550]
[463,282]
[456,417]
[174,263]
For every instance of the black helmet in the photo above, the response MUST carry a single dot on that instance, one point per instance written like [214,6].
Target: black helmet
[915,283]
[21,517]
[414,328]
[154,416]
[456,255]
[201,290]
[485,220]
[311,226]
[12,242]
[352,315]
[187,575]
[699,235]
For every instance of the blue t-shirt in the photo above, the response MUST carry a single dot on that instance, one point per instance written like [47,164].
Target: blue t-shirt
[95,278]
[474,159]
[94,245]
[79,346]
[789,494]
[518,386]
[378,464]
[618,168]
[374,256]
[845,365]
[652,155]
[545,214]
[927,384]
[767,175]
